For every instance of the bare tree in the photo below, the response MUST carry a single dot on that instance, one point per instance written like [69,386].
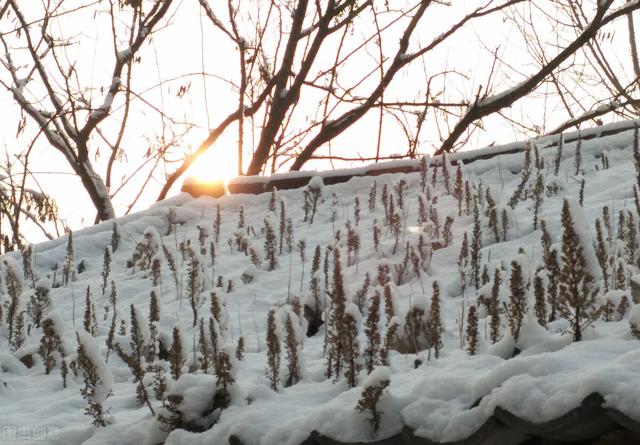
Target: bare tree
[305,74]
[46,82]
[299,72]
[613,76]
[22,208]
[588,29]
[279,83]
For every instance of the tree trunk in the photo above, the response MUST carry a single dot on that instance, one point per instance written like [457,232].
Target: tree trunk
[95,187]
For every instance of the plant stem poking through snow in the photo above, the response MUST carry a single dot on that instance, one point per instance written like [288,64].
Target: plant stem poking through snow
[51,348]
[476,245]
[270,244]
[135,358]
[273,351]
[472,331]
[13,285]
[372,332]
[517,300]
[68,268]
[336,334]
[90,322]
[106,268]
[293,348]
[577,286]
[98,379]
[435,328]
[374,388]
[540,305]
[176,359]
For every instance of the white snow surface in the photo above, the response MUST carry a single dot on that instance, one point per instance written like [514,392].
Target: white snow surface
[551,375]
[104,385]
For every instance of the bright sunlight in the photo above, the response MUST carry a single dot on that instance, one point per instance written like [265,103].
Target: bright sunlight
[214,164]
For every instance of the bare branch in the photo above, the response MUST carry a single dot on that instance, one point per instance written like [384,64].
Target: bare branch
[486,106]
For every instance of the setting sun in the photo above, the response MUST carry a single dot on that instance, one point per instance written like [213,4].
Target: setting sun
[214,165]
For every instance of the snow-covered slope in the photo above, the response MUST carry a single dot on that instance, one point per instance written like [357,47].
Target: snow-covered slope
[443,399]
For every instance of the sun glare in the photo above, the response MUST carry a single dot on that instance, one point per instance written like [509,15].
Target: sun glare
[214,165]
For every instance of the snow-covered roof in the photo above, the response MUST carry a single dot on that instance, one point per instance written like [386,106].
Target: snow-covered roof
[297,179]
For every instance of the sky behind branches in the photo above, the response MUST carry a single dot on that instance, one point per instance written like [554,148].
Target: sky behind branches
[178,54]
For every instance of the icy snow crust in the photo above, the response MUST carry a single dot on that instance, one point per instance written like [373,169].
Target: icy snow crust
[550,377]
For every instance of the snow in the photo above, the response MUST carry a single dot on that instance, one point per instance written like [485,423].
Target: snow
[615,296]
[104,388]
[586,240]
[316,183]
[11,365]
[487,101]
[59,327]
[143,326]
[377,376]
[43,283]
[21,83]
[12,268]
[102,109]
[634,315]
[124,55]
[444,399]
[353,310]
[250,271]
[197,391]
[107,101]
